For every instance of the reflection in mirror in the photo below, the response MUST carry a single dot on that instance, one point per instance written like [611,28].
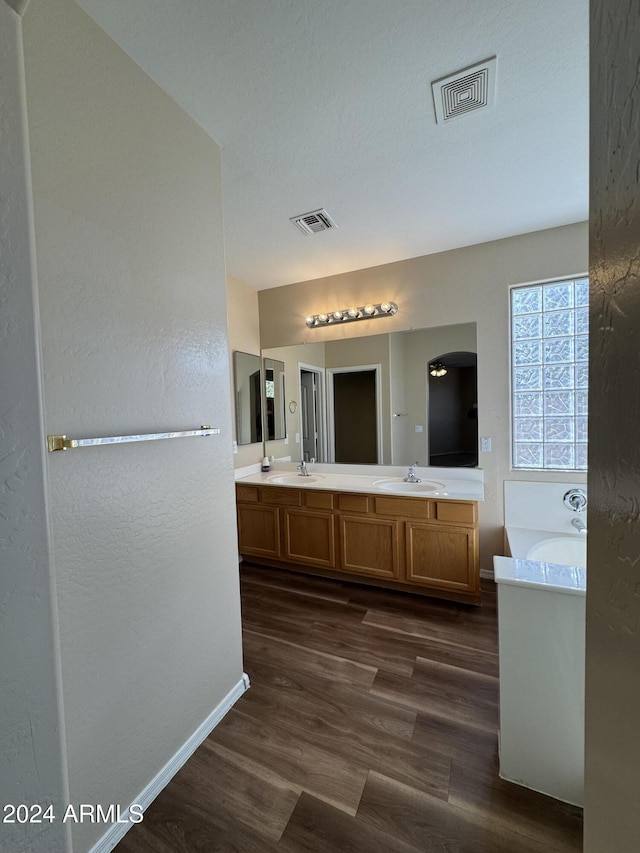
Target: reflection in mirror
[453,410]
[275,416]
[405,410]
[248,388]
[354,413]
[312,413]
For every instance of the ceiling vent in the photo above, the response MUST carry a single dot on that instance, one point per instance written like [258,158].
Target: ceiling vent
[470,89]
[314,221]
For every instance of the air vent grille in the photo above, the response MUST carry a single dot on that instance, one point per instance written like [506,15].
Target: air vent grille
[468,90]
[314,221]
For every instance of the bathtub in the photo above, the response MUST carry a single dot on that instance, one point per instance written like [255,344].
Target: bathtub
[541,588]
[546,558]
[546,548]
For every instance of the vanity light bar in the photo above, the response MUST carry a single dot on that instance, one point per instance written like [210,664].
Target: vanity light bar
[348,315]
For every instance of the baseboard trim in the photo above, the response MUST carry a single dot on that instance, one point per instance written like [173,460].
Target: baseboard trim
[117,831]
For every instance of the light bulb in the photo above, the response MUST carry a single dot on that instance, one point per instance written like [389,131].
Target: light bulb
[386,307]
[322,318]
[310,321]
[353,313]
[337,315]
[369,309]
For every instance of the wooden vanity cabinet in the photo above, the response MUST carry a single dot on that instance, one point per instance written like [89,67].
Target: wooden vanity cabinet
[309,537]
[441,558]
[258,524]
[416,544]
[443,552]
[369,546]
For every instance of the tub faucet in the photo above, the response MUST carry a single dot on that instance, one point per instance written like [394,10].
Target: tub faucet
[579,524]
[302,467]
[411,475]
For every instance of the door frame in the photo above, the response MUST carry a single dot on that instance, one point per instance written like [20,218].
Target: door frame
[356,368]
[322,406]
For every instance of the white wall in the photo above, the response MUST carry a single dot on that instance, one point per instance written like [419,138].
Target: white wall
[244,336]
[32,755]
[460,286]
[130,254]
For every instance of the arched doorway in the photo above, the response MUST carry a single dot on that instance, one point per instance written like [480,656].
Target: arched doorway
[453,410]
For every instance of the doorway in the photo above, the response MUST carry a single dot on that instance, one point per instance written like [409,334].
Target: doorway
[453,411]
[312,437]
[354,415]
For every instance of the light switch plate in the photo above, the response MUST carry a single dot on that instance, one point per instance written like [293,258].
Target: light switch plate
[419,428]
[485,444]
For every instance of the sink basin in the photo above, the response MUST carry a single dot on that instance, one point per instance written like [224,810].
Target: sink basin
[295,479]
[426,487]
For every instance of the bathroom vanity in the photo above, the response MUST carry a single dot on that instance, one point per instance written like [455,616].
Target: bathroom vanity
[421,537]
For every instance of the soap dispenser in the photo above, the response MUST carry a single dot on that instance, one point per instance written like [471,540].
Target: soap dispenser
[265,464]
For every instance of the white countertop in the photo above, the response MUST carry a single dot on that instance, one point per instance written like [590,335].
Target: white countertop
[465,484]
[545,576]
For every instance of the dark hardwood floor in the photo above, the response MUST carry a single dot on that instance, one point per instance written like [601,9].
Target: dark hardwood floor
[370,726]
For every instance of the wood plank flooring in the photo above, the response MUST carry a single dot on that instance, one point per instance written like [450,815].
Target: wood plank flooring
[370,725]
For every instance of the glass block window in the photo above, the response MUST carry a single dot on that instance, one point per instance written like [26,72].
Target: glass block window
[549,374]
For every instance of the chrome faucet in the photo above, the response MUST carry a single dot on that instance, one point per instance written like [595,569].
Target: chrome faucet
[302,467]
[411,476]
[579,524]
[575,499]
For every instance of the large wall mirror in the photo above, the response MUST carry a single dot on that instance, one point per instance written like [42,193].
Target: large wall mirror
[375,400]
[248,397]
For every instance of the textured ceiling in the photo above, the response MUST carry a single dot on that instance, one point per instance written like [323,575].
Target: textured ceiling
[328,104]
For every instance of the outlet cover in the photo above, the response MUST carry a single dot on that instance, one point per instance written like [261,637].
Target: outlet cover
[419,428]
[235,447]
[485,444]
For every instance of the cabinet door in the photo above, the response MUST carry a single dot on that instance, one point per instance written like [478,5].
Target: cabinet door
[443,557]
[309,538]
[369,546]
[258,530]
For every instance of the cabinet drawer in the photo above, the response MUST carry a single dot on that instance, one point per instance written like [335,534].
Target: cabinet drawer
[318,500]
[458,512]
[353,503]
[248,494]
[405,507]
[282,497]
